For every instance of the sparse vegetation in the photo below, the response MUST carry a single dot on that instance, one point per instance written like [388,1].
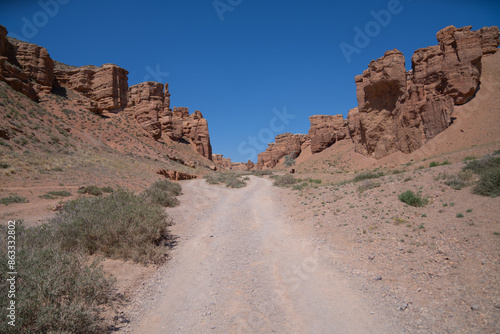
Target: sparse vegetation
[368,184]
[489,183]
[91,190]
[12,199]
[262,172]
[284,180]
[290,160]
[56,291]
[368,175]
[488,169]
[163,192]
[410,198]
[121,225]
[231,180]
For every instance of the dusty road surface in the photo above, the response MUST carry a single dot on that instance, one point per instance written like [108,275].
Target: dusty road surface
[239,268]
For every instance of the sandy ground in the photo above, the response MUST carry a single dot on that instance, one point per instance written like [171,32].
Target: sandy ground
[240,266]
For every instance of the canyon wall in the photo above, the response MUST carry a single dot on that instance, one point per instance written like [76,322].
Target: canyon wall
[29,69]
[399,110]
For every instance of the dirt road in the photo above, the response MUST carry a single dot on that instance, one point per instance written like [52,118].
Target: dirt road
[240,268]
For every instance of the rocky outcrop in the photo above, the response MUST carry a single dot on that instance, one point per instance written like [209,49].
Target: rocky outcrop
[145,104]
[176,175]
[325,130]
[226,163]
[149,104]
[220,161]
[11,71]
[36,63]
[106,86]
[399,110]
[284,144]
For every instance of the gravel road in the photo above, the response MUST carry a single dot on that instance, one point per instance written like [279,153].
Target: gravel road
[239,267]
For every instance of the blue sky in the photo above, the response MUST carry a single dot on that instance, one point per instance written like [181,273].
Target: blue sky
[254,68]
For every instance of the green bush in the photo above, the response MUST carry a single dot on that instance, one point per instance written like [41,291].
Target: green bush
[163,193]
[410,198]
[121,225]
[483,164]
[262,172]
[300,186]
[489,183]
[231,180]
[284,180]
[91,190]
[59,193]
[367,175]
[13,199]
[56,291]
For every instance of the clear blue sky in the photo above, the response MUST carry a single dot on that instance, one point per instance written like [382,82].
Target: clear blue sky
[241,61]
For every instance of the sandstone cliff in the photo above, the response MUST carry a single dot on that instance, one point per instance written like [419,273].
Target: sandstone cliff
[285,144]
[106,86]
[149,104]
[325,130]
[400,111]
[28,69]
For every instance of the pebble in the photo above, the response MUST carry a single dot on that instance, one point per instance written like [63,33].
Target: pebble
[474,307]
[378,278]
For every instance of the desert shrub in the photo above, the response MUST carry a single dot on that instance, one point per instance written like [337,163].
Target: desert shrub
[231,180]
[367,175]
[13,199]
[91,190]
[163,193]
[368,184]
[284,180]
[489,183]
[262,172]
[59,193]
[121,225]
[410,198]
[4,165]
[483,164]
[300,186]
[56,291]
[108,190]
[289,160]
[317,181]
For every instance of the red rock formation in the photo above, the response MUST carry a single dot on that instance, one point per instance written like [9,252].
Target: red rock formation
[325,130]
[149,103]
[145,103]
[105,86]
[10,69]
[176,175]
[399,111]
[283,145]
[36,63]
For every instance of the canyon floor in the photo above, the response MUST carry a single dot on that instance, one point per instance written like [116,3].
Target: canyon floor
[241,266]
[326,259]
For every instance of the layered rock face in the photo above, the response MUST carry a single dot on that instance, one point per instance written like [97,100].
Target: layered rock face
[149,104]
[11,70]
[106,86]
[325,130]
[36,64]
[145,103]
[400,111]
[284,144]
